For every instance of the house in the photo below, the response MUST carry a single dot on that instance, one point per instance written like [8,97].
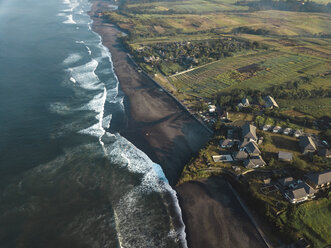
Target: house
[243,144]
[307,145]
[324,152]
[287,131]
[286,182]
[319,180]
[260,140]
[285,156]
[301,193]
[245,102]
[297,133]
[211,108]
[270,102]
[276,129]
[266,127]
[227,143]
[252,149]
[249,132]
[225,115]
[240,155]
[267,181]
[254,162]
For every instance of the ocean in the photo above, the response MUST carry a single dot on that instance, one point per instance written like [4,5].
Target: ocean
[67,177]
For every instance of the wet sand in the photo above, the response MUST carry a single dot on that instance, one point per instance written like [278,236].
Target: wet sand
[157,124]
[214,217]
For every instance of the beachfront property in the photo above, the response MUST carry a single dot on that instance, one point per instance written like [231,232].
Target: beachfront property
[226,143]
[276,129]
[254,162]
[287,131]
[270,102]
[325,153]
[300,193]
[319,180]
[285,156]
[307,145]
[249,132]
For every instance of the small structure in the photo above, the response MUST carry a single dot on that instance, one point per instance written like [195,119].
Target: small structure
[249,132]
[236,168]
[276,129]
[287,131]
[307,145]
[301,193]
[211,108]
[285,156]
[252,149]
[245,102]
[324,152]
[222,158]
[254,162]
[266,127]
[227,143]
[267,181]
[270,102]
[240,155]
[297,133]
[319,180]
[260,140]
[286,182]
[225,115]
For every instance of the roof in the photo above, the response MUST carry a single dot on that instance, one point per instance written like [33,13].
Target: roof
[277,128]
[288,129]
[307,143]
[286,181]
[266,126]
[320,177]
[245,101]
[303,190]
[249,131]
[226,142]
[270,102]
[241,155]
[254,162]
[285,155]
[252,148]
[324,152]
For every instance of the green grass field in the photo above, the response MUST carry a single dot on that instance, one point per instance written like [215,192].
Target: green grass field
[313,220]
[273,68]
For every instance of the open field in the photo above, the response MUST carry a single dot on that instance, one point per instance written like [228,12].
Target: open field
[256,71]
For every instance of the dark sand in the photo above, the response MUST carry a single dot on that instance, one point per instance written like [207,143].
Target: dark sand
[214,217]
[156,123]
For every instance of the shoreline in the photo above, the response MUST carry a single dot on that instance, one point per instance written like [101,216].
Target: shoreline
[156,123]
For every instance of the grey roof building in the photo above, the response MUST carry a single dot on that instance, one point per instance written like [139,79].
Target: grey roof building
[301,193]
[307,145]
[254,162]
[240,155]
[249,132]
[252,149]
[319,180]
[227,143]
[270,102]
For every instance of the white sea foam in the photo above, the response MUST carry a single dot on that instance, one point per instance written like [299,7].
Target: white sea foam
[69,20]
[72,58]
[72,80]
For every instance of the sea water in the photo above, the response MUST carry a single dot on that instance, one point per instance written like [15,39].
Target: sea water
[67,177]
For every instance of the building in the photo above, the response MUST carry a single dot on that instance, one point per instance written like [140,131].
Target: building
[266,127]
[254,162]
[211,108]
[252,149]
[285,156]
[319,180]
[249,132]
[222,158]
[225,115]
[240,155]
[301,193]
[227,143]
[307,145]
[324,152]
[245,102]
[297,133]
[276,129]
[286,182]
[270,102]
[287,131]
